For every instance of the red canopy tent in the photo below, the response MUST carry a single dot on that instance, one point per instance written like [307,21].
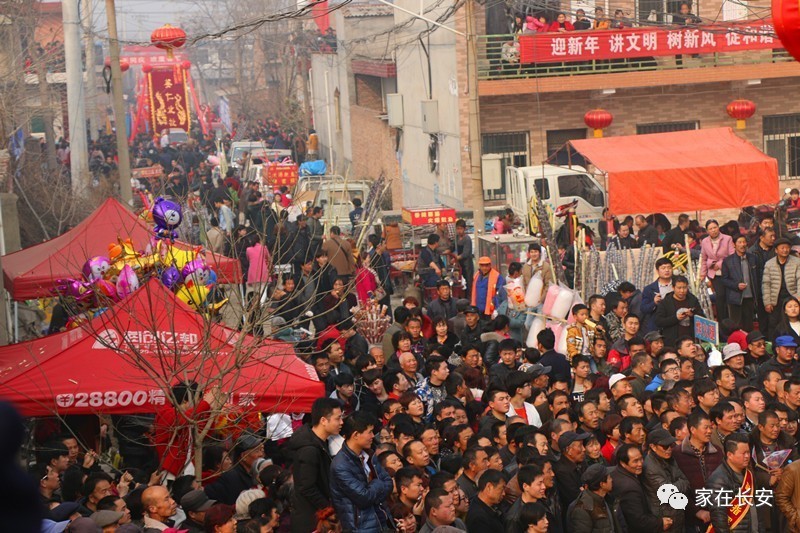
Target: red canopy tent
[91,369]
[32,272]
[678,171]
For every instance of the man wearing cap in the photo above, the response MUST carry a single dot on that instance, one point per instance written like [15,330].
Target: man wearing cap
[620,385]
[590,512]
[107,520]
[569,467]
[488,288]
[661,468]
[740,277]
[733,358]
[781,280]
[784,359]
[195,503]
[473,330]
[629,492]
[247,450]
[756,349]
[444,305]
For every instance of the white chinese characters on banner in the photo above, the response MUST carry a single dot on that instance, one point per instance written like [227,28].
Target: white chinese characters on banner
[639,42]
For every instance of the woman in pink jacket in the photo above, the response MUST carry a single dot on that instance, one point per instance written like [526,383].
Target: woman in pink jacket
[713,250]
[258,270]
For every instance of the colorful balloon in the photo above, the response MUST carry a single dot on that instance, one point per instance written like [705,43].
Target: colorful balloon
[167,216]
[105,290]
[196,272]
[96,268]
[170,277]
[127,281]
[212,278]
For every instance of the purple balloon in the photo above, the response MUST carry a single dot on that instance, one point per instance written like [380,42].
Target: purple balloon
[170,277]
[167,216]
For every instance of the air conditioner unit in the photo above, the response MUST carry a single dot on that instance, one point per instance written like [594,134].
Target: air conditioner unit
[491,171]
[430,116]
[394,110]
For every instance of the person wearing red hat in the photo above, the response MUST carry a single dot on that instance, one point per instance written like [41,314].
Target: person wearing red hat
[487,288]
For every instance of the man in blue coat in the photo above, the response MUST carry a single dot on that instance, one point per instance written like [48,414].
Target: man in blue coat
[742,280]
[359,484]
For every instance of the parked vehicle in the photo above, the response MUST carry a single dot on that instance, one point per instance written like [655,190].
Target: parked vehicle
[556,186]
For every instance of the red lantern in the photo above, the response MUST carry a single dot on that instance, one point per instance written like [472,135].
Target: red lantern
[186,65]
[741,110]
[168,38]
[598,119]
[147,68]
[124,64]
[786,21]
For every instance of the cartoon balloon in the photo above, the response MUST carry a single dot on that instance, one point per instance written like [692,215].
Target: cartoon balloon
[196,273]
[212,278]
[167,216]
[96,268]
[73,288]
[170,277]
[127,281]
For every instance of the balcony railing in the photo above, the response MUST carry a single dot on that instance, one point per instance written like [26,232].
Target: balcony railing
[627,49]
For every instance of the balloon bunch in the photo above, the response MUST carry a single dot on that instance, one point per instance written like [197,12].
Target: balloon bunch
[109,279]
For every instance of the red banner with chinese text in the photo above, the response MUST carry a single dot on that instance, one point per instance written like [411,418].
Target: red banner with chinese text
[169,99]
[645,42]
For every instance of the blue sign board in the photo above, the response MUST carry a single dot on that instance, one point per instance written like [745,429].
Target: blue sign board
[706,330]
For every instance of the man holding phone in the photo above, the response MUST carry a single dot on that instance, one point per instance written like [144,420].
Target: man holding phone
[675,314]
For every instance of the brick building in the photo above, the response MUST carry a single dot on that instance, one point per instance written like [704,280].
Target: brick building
[529,110]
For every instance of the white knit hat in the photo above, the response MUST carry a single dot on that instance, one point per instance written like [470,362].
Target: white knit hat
[244,500]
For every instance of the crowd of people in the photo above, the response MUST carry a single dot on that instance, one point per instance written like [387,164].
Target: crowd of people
[456,419]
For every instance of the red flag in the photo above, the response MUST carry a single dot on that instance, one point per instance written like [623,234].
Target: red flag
[320,13]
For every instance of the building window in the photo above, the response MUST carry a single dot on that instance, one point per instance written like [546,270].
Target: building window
[514,151]
[556,139]
[782,141]
[664,127]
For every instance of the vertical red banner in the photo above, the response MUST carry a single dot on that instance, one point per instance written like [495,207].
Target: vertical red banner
[169,99]
[321,16]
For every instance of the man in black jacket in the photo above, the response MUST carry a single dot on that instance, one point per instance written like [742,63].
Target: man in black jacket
[629,492]
[312,463]
[730,476]
[248,449]
[483,514]
[570,467]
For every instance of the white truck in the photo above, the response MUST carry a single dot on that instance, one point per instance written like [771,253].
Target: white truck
[556,186]
[256,149]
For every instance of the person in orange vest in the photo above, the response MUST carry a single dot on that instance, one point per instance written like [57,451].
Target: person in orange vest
[488,288]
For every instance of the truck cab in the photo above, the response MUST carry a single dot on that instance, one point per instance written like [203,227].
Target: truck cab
[334,194]
[556,186]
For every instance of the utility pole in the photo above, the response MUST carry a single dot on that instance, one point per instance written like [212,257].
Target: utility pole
[76,111]
[476,170]
[91,72]
[123,153]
